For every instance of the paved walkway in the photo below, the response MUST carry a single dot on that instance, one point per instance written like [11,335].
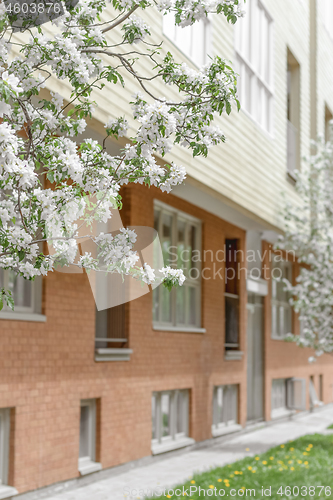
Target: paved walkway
[175,469]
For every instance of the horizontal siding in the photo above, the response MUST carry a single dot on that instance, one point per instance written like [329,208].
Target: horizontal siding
[250,168]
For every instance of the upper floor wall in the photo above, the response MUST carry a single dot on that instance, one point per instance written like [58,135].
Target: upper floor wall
[250,170]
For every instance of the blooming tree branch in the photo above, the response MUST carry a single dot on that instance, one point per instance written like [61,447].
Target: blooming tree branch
[40,137]
[309,233]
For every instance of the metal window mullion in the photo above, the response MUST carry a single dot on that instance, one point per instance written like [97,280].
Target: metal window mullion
[173,413]
[160,217]
[186,413]
[186,289]
[158,417]
[174,242]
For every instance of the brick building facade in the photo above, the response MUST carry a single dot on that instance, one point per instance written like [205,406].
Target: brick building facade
[171,370]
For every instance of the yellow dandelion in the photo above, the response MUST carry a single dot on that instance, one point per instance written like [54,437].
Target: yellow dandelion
[227,485]
[280,468]
[226,480]
[219,480]
[292,468]
[299,461]
[254,471]
[292,449]
[243,488]
[306,462]
[264,462]
[249,467]
[282,446]
[192,482]
[240,472]
[310,445]
[211,486]
[271,458]
[290,461]
[168,496]
[305,453]
[257,458]
[231,475]
[236,472]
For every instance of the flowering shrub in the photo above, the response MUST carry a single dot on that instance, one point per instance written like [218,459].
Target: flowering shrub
[40,137]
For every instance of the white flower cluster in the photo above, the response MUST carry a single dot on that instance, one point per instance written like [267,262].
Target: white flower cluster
[175,276]
[194,10]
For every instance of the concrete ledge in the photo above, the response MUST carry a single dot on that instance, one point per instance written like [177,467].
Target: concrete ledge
[17,316]
[113,354]
[173,444]
[7,491]
[226,429]
[233,355]
[87,466]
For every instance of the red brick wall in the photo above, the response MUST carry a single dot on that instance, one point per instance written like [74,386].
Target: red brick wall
[46,368]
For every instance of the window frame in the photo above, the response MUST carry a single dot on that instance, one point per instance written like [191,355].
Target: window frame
[159,324]
[159,440]
[280,303]
[4,445]
[208,28]
[247,63]
[230,393]
[31,313]
[88,464]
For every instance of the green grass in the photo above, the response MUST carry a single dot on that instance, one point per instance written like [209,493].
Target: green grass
[306,462]
[330,426]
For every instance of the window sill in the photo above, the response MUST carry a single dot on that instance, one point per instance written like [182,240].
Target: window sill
[233,355]
[281,413]
[113,354]
[159,448]
[7,491]
[17,316]
[275,337]
[180,329]
[87,466]
[226,429]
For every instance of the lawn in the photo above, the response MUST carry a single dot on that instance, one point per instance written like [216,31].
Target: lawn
[300,469]
[330,426]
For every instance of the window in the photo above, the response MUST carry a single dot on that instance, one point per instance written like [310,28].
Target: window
[253,44]
[314,400]
[180,237]
[170,420]
[321,388]
[296,393]
[5,490]
[111,340]
[279,397]
[287,394]
[225,410]
[231,295]
[327,13]
[26,294]
[87,449]
[293,114]
[193,40]
[281,309]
